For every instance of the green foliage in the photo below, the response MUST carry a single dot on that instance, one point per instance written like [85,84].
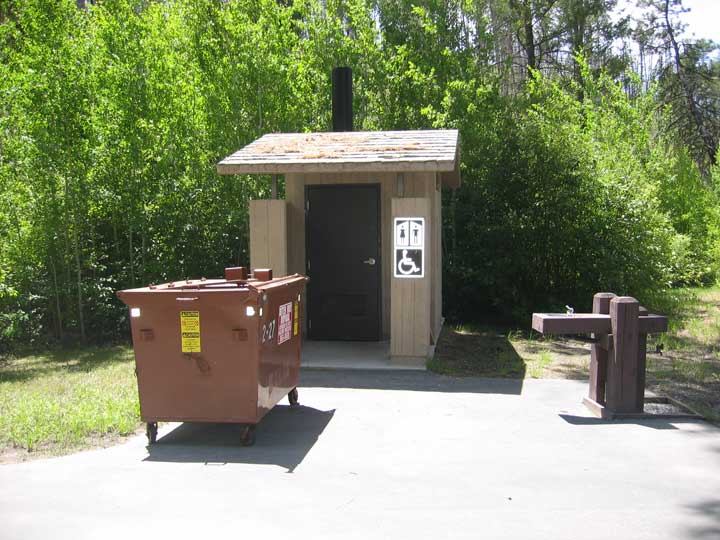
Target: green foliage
[563,198]
[694,211]
[112,119]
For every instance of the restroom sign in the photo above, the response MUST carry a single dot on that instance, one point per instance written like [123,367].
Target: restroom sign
[409,247]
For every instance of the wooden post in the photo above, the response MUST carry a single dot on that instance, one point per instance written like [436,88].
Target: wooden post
[622,373]
[642,360]
[599,354]
[274,187]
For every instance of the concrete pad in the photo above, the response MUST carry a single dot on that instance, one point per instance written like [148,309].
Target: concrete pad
[388,455]
[354,355]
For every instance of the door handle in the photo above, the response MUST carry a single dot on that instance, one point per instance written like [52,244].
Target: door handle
[370,261]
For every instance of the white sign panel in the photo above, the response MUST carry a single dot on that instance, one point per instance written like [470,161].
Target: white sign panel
[409,247]
[285,319]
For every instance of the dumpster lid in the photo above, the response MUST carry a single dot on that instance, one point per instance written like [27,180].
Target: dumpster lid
[221,285]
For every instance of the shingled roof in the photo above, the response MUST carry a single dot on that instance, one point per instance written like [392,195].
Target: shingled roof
[357,151]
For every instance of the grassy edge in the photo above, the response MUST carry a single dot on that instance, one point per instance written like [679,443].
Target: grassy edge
[60,402]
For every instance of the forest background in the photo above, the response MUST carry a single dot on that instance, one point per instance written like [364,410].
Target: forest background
[588,144]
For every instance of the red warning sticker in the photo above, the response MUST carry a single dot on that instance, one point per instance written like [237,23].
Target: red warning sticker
[285,320]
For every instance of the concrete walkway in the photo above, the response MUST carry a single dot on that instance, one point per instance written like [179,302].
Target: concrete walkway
[388,455]
[364,355]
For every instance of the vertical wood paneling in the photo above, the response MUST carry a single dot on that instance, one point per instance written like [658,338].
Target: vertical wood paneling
[268,235]
[437,259]
[437,263]
[295,196]
[411,298]
[258,234]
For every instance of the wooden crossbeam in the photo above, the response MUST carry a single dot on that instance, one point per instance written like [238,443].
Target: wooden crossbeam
[577,323]
[585,323]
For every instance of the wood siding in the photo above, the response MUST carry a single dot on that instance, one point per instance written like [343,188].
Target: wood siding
[411,298]
[436,265]
[268,235]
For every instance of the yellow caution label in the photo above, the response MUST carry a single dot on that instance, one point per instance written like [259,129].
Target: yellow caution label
[296,318]
[190,331]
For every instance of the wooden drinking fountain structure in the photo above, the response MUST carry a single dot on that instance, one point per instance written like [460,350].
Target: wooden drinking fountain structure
[619,327]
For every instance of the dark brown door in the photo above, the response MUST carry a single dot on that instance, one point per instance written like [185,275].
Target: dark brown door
[342,229]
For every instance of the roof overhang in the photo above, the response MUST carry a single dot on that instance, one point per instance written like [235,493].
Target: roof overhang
[357,151]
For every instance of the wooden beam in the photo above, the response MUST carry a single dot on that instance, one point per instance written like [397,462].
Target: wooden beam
[598,353]
[653,324]
[334,166]
[586,323]
[578,323]
[623,364]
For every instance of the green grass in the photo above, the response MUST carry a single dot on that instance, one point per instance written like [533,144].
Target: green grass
[688,368]
[57,402]
[536,369]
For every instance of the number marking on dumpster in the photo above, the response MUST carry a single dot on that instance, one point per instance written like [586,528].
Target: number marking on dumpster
[268,331]
[190,331]
[285,318]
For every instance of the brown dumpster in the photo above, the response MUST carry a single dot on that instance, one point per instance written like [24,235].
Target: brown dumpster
[216,350]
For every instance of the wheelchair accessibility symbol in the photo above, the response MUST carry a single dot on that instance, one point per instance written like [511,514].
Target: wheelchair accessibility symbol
[409,246]
[409,262]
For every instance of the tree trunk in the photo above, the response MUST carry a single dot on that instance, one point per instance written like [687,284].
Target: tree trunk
[142,257]
[706,136]
[59,333]
[526,32]
[132,258]
[503,43]
[529,43]
[78,274]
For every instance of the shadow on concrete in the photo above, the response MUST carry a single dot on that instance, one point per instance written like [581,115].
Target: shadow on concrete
[710,510]
[283,438]
[654,423]
[420,381]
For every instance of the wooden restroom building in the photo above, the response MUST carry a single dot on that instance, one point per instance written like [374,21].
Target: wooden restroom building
[362,218]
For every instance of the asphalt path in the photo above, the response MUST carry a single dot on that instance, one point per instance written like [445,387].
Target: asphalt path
[387,455]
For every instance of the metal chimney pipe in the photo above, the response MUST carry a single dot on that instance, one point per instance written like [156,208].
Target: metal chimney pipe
[342,96]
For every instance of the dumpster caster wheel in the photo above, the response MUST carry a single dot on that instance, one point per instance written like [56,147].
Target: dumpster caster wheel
[248,435]
[151,432]
[293,398]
